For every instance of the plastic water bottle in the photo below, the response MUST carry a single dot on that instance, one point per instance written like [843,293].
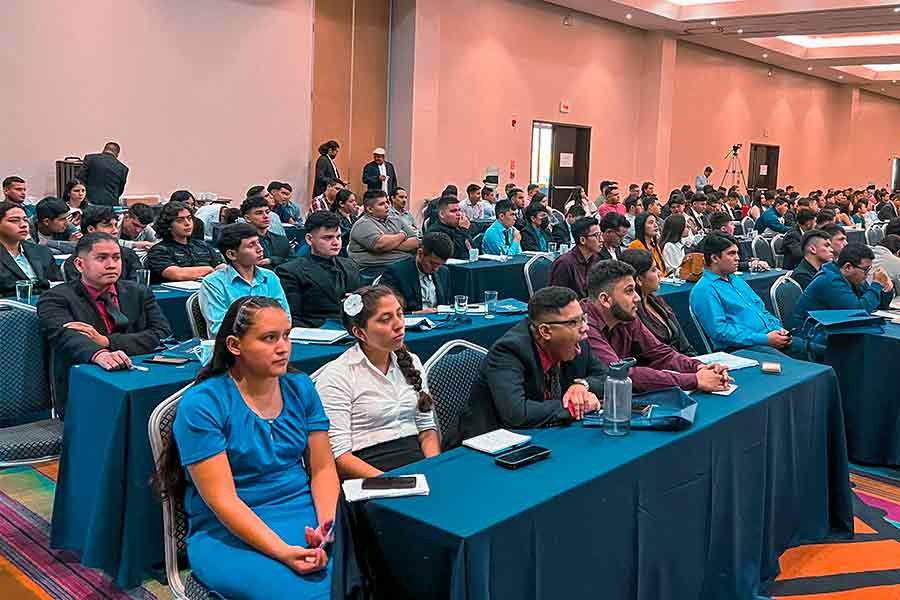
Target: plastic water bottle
[617,399]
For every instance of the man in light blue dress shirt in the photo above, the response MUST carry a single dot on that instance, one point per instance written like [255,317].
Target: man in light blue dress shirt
[701,181]
[731,314]
[502,237]
[239,244]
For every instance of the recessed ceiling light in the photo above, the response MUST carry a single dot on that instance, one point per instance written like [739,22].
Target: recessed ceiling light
[883,90]
[628,16]
[765,56]
[740,31]
[897,9]
[840,76]
[809,68]
[712,22]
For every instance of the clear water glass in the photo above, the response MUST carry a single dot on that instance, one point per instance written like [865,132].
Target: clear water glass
[143,277]
[490,304]
[473,254]
[24,289]
[460,305]
[551,247]
[563,248]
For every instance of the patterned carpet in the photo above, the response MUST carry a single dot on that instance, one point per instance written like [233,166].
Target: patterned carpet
[865,568]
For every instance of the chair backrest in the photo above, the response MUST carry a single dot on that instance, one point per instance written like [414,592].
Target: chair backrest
[175,529]
[24,381]
[784,293]
[763,250]
[748,224]
[195,317]
[707,344]
[560,217]
[537,273]
[450,373]
[874,234]
[739,228]
[777,249]
[477,240]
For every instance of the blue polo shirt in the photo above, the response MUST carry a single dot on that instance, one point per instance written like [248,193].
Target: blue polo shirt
[500,240]
[222,287]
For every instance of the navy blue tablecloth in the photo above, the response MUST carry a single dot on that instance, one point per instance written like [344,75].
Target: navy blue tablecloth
[173,304]
[864,364]
[507,278]
[678,297]
[701,514]
[103,507]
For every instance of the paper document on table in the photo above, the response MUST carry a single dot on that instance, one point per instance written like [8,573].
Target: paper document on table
[474,309]
[730,361]
[497,257]
[727,392]
[316,336]
[895,303]
[891,315]
[456,261]
[187,286]
[353,491]
[496,441]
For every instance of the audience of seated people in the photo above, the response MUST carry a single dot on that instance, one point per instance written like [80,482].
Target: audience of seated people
[250,459]
[842,284]
[540,373]
[103,219]
[791,243]
[136,229]
[52,227]
[473,207]
[772,218]
[375,393]
[316,284]
[452,222]
[489,199]
[325,200]
[887,256]
[276,248]
[422,280]
[615,332]
[502,238]
[611,202]
[570,270]
[276,225]
[379,238]
[562,231]
[646,237]
[98,317]
[75,196]
[15,191]
[244,275]
[817,251]
[731,314]
[20,258]
[613,229]
[179,256]
[400,207]
[722,223]
[347,209]
[674,240]
[187,198]
[287,211]
[536,236]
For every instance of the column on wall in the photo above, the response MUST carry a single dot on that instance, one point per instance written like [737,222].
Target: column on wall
[655,116]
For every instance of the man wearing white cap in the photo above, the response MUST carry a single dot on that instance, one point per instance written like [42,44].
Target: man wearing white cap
[380,174]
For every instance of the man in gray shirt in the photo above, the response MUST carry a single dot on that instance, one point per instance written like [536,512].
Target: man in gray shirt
[379,238]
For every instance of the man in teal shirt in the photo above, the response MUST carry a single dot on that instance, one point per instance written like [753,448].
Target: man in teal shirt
[239,244]
[502,237]
[842,285]
[727,308]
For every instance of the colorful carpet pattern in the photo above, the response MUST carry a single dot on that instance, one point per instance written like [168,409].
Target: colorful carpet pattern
[865,568]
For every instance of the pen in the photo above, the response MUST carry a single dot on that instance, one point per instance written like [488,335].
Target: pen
[139,368]
[327,538]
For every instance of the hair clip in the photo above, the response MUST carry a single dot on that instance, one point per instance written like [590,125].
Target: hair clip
[353,305]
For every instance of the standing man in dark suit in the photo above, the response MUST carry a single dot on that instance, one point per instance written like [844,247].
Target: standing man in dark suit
[423,280]
[99,318]
[104,176]
[276,248]
[380,174]
[326,169]
[315,285]
[541,373]
[20,258]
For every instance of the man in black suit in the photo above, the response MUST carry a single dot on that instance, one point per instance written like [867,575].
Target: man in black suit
[613,229]
[891,209]
[380,174]
[326,169]
[20,258]
[450,220]
[817,251]
[423,280]
[541,373]
[276,248]
[792,242]
[316,284]
[104,176]
[562,232]
[536,235]
[99,318]
[103,219]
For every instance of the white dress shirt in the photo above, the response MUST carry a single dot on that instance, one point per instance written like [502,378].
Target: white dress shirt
[382,170]
[429,290]
[367,407]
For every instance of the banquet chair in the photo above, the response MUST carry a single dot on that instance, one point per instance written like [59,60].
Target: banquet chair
[175,527]
[778,250]
[707,343]
[196,318]
[784,293]
[537,273]
[762,250]
[559,216]
[25,399]
[874,235]
[477,240]
[450,373]
[748,224]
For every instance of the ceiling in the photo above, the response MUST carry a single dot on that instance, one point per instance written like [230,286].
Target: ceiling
[845,41]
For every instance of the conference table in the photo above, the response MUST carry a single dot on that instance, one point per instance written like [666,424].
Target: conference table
[864,364]
[103,508]
[173,304]
[678,298]
[474,278]
[702,513]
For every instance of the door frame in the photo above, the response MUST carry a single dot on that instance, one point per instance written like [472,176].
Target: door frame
[554,155]
[754,173]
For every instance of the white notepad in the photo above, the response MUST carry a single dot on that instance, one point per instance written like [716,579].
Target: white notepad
[727,392]
[730,361]
[353,490]
[456,261]
[474,309]
[497,441]
[187,286]
[308,335]
[497,257]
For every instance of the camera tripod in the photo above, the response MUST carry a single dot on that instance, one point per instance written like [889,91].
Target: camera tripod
[734,168]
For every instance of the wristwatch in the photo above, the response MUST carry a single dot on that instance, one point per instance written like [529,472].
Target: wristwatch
[580,381]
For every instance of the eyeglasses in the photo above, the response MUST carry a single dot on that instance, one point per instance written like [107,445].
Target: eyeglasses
[865,270]
[576,322]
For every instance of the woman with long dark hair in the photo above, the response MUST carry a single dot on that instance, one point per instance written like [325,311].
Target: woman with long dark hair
[673,240]
[646,237]
[374,394]
[346,207]
[75,195]
[653,311]
[247,433]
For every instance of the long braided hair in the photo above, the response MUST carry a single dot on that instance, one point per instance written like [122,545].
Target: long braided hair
[168,479]
[371,295]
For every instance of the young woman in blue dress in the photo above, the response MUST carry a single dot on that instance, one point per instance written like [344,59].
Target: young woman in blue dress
[261,488]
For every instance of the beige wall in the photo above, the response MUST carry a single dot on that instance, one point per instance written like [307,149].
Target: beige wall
[210,95]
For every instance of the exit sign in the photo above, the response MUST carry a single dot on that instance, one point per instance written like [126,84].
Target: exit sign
[564,107]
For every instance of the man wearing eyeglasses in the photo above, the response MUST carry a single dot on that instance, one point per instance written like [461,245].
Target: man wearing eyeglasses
[571,269]
[842,285]
[541,373]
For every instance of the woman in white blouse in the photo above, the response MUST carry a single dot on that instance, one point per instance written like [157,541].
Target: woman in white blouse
[374,394]
[675,236]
